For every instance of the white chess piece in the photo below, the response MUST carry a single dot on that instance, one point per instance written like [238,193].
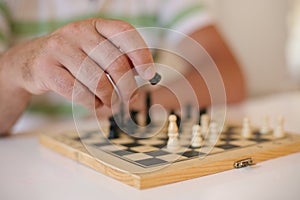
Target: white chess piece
[265,126]
[246,130]
[197,138]
[213,132]
[173,142]
[279,130]
[204,124]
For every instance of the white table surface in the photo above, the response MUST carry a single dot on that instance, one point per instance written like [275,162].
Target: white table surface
[31,171]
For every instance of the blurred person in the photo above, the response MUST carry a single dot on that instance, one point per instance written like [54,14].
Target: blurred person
[44,43]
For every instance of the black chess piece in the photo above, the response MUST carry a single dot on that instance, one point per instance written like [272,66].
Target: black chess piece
[156,79]
[113,128]
[133,115]
[148,105]
[203,111]
[132,122]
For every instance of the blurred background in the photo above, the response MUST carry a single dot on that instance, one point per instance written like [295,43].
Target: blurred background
[265,37]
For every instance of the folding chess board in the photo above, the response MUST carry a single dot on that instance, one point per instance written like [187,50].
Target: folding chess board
[145,162]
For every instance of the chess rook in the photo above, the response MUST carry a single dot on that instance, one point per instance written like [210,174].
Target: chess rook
[173,142]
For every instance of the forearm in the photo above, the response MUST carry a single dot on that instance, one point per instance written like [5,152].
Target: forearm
[13,100]
[228,66]
[12,104]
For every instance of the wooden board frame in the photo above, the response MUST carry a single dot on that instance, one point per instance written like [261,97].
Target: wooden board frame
[177,171]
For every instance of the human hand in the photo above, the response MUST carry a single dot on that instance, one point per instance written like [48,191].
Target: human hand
[81,52]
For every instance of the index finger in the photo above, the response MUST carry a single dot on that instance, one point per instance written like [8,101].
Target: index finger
[127,38]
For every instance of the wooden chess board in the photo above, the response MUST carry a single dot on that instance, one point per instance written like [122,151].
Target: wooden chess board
[144,161]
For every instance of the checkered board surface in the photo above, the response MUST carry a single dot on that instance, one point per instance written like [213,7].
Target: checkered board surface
[151,151]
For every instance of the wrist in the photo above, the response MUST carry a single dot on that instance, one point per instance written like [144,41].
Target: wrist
[9,77]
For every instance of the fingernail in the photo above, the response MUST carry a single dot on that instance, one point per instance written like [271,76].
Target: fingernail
[149,72]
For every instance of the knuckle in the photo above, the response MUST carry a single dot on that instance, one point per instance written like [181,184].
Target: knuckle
[124,26]
[67,88]
[54,42]
[71,28]
[81,63]
[63,85]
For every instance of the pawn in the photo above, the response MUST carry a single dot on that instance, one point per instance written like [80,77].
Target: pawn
[246,130]
[279,130]
[266,126]
[197,138]
[202,111]
[204,124]
[178,120]
[173,142]
[213,132]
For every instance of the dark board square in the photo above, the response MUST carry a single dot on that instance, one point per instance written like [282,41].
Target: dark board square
[151,161]
[227,146]
[256,133]
[132,144]
[157,153]
[190,154]
[101,144]
[259,140]
[228,133]
[77,139]
[132,151]
[163,138]
[160,146]
[122,152]
[228,139]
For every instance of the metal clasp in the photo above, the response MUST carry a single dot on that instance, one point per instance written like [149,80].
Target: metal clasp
[243,163]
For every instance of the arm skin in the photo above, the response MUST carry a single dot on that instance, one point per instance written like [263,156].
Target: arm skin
[52,63]
[228,66]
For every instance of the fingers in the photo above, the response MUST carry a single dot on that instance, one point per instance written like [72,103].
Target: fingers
[87,71]
[88,65]
[117,65]
[124,36]
[62,82]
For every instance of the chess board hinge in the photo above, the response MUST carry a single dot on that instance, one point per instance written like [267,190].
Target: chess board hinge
[243,163]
